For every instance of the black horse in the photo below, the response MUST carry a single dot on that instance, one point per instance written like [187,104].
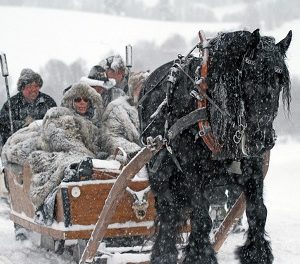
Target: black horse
[246,73]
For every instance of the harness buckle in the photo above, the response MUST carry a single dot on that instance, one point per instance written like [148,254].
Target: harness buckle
[239,133]
[197,95]
[204,131]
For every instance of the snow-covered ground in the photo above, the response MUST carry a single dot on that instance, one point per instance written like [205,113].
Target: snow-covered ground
[283,224]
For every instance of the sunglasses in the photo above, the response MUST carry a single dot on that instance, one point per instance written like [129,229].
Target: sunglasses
[79,99]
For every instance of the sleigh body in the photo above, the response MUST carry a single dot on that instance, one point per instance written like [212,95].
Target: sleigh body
[78,205]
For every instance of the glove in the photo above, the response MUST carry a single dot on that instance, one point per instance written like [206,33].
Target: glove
[28,120]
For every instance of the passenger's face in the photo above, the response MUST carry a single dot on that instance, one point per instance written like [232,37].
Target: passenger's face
[81,105]
[31,92]
[117,75]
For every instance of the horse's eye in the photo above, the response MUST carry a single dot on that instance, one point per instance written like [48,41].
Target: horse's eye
[277,69]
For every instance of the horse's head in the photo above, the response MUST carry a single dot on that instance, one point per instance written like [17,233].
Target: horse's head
[247,73]
[263,76]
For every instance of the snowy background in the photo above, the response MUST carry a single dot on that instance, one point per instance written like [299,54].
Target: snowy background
[31,37]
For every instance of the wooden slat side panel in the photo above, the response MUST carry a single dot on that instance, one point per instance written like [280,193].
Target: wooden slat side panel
[59,210]
[42,229]
[105,174]
[79,234]
[86,208]
[19,193]
[84,234]
[116,232]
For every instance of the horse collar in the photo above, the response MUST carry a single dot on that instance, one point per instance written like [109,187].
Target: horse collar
[205,131]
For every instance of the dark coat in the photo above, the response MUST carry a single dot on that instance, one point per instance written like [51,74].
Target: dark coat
[22,109]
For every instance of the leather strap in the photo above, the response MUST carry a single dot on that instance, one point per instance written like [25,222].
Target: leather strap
[204,127]
[186,121]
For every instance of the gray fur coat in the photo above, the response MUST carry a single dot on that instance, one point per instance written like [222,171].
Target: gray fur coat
[62,138]
[120,126]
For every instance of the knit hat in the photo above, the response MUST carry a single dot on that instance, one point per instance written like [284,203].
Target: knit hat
[97,77]
[28,76]
[113,62]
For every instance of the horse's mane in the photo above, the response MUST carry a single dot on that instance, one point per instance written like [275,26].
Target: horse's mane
[226,53]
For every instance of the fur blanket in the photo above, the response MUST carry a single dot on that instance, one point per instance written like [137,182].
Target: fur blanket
[51,147]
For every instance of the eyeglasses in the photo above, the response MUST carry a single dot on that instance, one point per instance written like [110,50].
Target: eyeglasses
[79,99]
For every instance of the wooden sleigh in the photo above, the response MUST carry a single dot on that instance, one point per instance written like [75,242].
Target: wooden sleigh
[77,208]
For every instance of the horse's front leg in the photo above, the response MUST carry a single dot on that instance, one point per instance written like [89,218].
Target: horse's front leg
[257,249]
[200,250]
[164,250]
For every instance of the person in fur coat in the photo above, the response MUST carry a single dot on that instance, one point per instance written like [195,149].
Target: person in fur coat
[64,137]
[27,105]
[121,127]
[120,119]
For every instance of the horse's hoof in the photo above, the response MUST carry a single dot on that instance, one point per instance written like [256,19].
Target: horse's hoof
[255,253]
[164,259]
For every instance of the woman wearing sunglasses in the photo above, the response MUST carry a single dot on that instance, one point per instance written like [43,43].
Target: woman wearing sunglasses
[84,101]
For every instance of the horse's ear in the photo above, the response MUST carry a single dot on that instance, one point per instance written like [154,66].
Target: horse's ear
[255,38]
[284,44]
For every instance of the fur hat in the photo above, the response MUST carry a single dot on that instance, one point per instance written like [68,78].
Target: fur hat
[28,76]
[97,77]
[114,63]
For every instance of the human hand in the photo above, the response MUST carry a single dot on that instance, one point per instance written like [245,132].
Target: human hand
[28,120]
